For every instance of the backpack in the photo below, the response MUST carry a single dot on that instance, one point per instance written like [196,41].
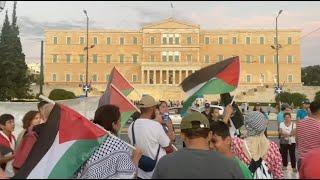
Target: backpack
[258,169]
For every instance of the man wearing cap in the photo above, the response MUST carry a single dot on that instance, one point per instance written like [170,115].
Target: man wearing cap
[196,160]
[148,134]
[206,111]
[303,113]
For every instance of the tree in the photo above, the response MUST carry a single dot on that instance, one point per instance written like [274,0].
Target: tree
[317,96]
[14,78]
[310,75]
[292,98]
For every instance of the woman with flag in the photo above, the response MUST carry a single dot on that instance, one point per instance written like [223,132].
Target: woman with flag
[112,159]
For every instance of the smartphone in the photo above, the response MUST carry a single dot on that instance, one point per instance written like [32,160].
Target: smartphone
[165,117]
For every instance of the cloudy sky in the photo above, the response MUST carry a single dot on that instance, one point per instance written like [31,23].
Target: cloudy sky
[34,16]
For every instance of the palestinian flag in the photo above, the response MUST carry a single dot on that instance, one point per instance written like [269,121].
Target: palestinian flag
[119,81]
[219,78]
[115,97]
[65,142]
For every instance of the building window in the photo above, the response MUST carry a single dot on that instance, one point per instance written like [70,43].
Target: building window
[135,40]
[207,40]
[108,40]
[81,58]
[220,58]
[164,58]
[176,58]
[261,59]
[164,40]
[135,58]
[55,40]
[248,40]
[261,40]
[170,40]
[54,58]
[121,58]
[248,79]
[94,78]
[95,58]
[289,59]
[189,40]
[122,41]
[68,77]
[289,40]
[134,78]
[151,40]
[274,40]
[275,59]
[248,59]
[170,58]
[177,40]
[189,58]
[81,78]
[290,78]
[54,77]
[152,58]
[107,77]
[207,59]
[68,40]
[81,40]
[108,58]
[68,58]
[234,40]
[220,40]
[95,40]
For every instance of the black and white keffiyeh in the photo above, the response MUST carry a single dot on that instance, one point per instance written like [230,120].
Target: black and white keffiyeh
[112,160]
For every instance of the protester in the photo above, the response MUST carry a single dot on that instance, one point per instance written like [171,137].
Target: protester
[7,143]
[287,142]
[206,111]
[221,141]
[258,108]
[215,114]
[196,160]
[148,135]
[310,166]
[112,159]
[285,108]
[304,112]
[162,116]
[40,107]
[29,120]
[308,132]
[256,150]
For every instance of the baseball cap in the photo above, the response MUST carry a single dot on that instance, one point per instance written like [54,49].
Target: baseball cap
[188,121]
[307,101]
[207,105]
[147,101]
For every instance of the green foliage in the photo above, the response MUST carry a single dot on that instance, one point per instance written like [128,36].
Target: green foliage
[310,75]
[61,94]
[14,77]
[292,98]
[317,96]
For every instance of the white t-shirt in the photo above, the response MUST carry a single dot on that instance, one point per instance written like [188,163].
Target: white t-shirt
[148,135]
[287,130]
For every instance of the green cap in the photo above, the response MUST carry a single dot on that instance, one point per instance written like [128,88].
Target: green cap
[187,121]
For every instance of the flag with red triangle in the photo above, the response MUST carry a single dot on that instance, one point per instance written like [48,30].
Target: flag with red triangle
[115,97]
[65,142]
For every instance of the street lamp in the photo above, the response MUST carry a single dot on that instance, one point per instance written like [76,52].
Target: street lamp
[87,49]
[277,47]
[2,4]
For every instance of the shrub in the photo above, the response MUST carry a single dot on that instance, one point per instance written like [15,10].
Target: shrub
[317,96]
[61,94]
[292,98]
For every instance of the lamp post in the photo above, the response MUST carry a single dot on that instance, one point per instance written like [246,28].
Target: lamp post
[87,48]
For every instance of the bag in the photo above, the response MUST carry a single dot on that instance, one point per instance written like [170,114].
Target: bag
[258,169]
[146,163]
[24,149]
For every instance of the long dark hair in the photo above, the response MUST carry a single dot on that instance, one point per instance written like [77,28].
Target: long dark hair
[28,117]
[106,115]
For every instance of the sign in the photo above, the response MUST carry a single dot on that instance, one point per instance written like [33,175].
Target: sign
[278,90]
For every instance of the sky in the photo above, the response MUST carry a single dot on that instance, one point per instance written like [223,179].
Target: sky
[35,16]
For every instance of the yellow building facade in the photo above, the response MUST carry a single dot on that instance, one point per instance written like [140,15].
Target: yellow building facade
[166,52]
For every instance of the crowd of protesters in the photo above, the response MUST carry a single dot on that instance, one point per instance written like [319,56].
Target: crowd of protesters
[210,149]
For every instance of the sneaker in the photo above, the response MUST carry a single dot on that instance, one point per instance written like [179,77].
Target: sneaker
[294,170]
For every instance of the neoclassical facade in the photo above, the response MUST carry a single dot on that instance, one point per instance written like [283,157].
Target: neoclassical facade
[166,52]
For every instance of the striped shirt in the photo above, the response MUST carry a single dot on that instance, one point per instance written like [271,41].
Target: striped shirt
[308,135]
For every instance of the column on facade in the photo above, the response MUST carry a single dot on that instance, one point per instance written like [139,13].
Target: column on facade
[142,76]
[180,76]
[160,76]
[154,76]
[148,77]
[187,73]
[167,76]
[174,77]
